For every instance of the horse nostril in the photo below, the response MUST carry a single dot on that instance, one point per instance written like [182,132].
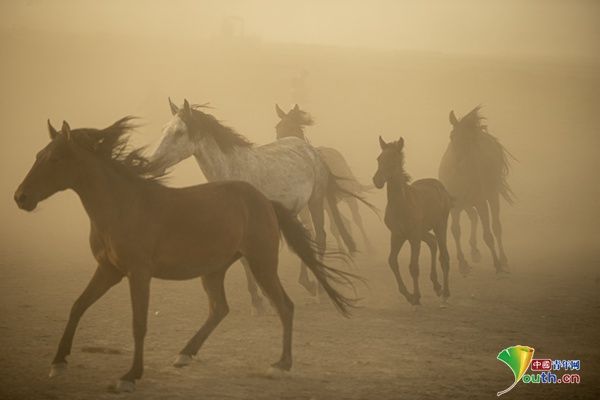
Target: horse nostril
[20,197]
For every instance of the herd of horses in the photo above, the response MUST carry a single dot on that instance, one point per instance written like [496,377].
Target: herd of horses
[142,229]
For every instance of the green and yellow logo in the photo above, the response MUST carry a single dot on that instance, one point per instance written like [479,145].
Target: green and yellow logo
[518,359]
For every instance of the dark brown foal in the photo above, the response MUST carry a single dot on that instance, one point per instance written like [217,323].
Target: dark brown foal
[412,211]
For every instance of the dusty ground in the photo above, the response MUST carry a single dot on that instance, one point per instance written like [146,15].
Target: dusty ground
[386,350]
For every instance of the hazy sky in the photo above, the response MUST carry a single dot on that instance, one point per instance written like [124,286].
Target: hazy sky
[516,27]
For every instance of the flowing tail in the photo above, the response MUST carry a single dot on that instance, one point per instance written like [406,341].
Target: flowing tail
[298,239]
[334,190]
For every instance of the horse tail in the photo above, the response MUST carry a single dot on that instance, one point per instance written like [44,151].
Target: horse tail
[298,239]
[333,191]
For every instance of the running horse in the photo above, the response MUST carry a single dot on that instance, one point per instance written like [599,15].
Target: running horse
[412,212]
[141,230]
[288,171]
[474,169]
[292,124]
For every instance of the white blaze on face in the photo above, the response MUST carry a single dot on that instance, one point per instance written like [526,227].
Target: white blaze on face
[175,145]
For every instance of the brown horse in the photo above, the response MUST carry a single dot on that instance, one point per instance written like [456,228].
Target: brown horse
[474,169]
[292,124]
[412,211]
[141,229]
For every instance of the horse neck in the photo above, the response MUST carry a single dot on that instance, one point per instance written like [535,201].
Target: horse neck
[217,164]
[288,130]
[106,194]
[397,192]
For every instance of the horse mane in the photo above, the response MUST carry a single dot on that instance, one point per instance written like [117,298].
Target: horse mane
[112,145]
[485,141]
[227,138]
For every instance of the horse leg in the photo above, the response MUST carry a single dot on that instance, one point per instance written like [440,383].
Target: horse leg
[488,238]
[334,230]
[265,272]
[441,236]
[217,310]
[497,228]
[415,249]
[303,279]
[139,287]
[463,265]
[316,207]
[353,205]
[105,277]
[430,240]
[258,307]
[395,245]
[475,254]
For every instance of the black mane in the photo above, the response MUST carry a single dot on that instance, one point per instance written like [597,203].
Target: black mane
[112,145]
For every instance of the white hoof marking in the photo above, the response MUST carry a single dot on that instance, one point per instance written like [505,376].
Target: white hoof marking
[125,386]
[57,369]
[182,360]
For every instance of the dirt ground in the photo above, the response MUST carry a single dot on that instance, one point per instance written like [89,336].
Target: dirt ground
[387,350]
[545,112]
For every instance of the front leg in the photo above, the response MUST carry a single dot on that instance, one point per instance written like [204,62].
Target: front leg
[396,243]
[105,277]
[139,286]
[415,249]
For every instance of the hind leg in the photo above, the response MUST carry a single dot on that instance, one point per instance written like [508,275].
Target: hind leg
[217,310]
[316,207]
[497,228]
[353,205]
[258,307]
[475,253]
[303,279]
[463,265]
[488,238]
[431,241]
[265,272]
[334,230]
[441,237]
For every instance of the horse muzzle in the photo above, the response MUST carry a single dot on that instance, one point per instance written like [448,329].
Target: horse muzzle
[24,201]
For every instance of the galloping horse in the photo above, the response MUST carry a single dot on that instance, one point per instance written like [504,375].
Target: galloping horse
[292,124]
[141,229]
[289,171]
[474,169]
[412,211]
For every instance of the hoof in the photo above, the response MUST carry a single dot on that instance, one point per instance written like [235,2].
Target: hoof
[259,310]
[57,369]
[182,360]
[464,268]
[277,373]
[310,286]
[444,303]
[125,386]
[475,255]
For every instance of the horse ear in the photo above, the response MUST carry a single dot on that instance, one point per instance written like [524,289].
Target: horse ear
[296,108]
[382,143]
[400,143]
[174,108]
[280,113]
[66,130]
[453,119]
[186,108]
[53,132]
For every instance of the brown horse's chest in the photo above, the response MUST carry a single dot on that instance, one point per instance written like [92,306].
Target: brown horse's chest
[109,249]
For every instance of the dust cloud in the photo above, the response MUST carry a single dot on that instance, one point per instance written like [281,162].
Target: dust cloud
[361,69]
